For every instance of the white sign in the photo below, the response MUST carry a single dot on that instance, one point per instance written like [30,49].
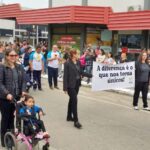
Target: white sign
[113,76]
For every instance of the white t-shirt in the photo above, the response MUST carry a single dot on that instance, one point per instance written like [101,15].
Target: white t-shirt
[53,63]
[37,59]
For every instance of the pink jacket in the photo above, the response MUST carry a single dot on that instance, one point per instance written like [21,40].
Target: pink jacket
[82,60]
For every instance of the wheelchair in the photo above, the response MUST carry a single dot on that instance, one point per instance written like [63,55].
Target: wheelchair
[14,139]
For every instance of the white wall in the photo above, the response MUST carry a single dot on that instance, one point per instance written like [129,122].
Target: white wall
[7,39]
[57,3]
[117,5]
[7,24]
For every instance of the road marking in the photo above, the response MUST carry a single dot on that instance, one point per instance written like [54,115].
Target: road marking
[107,102]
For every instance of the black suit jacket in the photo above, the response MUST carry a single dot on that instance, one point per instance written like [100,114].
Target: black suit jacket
[70,75]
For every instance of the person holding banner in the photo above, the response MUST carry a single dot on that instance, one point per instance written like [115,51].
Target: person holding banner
[142,71]
[71,84]
[109,59]
[123,58]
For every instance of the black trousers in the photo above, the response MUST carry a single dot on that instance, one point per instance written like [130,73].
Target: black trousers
[29,129]
[52,75]
[37,77]
[73,102]
[7,117]
[143,87]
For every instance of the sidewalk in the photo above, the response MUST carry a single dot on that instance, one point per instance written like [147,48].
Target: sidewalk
[128,91]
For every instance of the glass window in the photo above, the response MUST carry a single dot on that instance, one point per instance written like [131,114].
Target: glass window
[130,41]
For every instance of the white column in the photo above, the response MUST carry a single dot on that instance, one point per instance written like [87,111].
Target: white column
[37,32]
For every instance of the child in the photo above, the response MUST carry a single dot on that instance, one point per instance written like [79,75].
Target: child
[29,112]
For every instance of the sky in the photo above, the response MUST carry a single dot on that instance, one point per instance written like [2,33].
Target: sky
[28,3]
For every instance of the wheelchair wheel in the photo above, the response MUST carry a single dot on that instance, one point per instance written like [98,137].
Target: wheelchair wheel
[10,141]
[46,147]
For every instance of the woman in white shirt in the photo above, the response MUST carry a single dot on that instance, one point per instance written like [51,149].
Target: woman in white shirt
[101,57]
[110,59]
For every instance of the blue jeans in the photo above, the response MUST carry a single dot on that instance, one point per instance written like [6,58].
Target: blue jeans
[88,69]
[52,75]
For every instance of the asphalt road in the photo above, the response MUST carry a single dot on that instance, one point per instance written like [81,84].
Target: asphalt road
[108,119]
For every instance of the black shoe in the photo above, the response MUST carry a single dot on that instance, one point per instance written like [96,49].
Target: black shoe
[51,87]
[70,119]
[56,87]
[77,125]
[40,89]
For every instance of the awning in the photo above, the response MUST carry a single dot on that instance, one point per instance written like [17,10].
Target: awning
[136,20]
[58,15]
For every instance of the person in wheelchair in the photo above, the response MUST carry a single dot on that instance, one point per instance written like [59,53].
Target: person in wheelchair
[32,125]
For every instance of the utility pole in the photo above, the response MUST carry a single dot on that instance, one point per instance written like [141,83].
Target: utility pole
[84,2]
[37,35]
[50,3]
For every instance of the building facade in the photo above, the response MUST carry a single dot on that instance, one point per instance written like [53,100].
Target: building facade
[32,33]
[77,26]
[116,5]
[7,30]
[127,40]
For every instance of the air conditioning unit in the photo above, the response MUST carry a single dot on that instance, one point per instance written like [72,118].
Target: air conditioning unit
[134,8]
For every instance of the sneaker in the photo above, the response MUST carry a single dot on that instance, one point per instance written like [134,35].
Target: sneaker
[136,108]
[146,108]
[39,136]
[56,87]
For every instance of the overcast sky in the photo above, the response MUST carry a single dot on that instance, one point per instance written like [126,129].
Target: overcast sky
[28,3]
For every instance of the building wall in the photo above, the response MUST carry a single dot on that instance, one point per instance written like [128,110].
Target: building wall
[7,39]
[117,5]
[7,24]
[57,3]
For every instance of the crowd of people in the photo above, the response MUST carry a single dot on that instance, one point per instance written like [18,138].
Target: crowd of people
[40,60]
[21,67]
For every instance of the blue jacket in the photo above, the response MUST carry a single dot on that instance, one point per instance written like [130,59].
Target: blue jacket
[24,112]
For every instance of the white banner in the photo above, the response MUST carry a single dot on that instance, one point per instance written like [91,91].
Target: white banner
[113,76]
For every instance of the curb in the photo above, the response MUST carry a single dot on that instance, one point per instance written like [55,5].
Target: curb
[128,92]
